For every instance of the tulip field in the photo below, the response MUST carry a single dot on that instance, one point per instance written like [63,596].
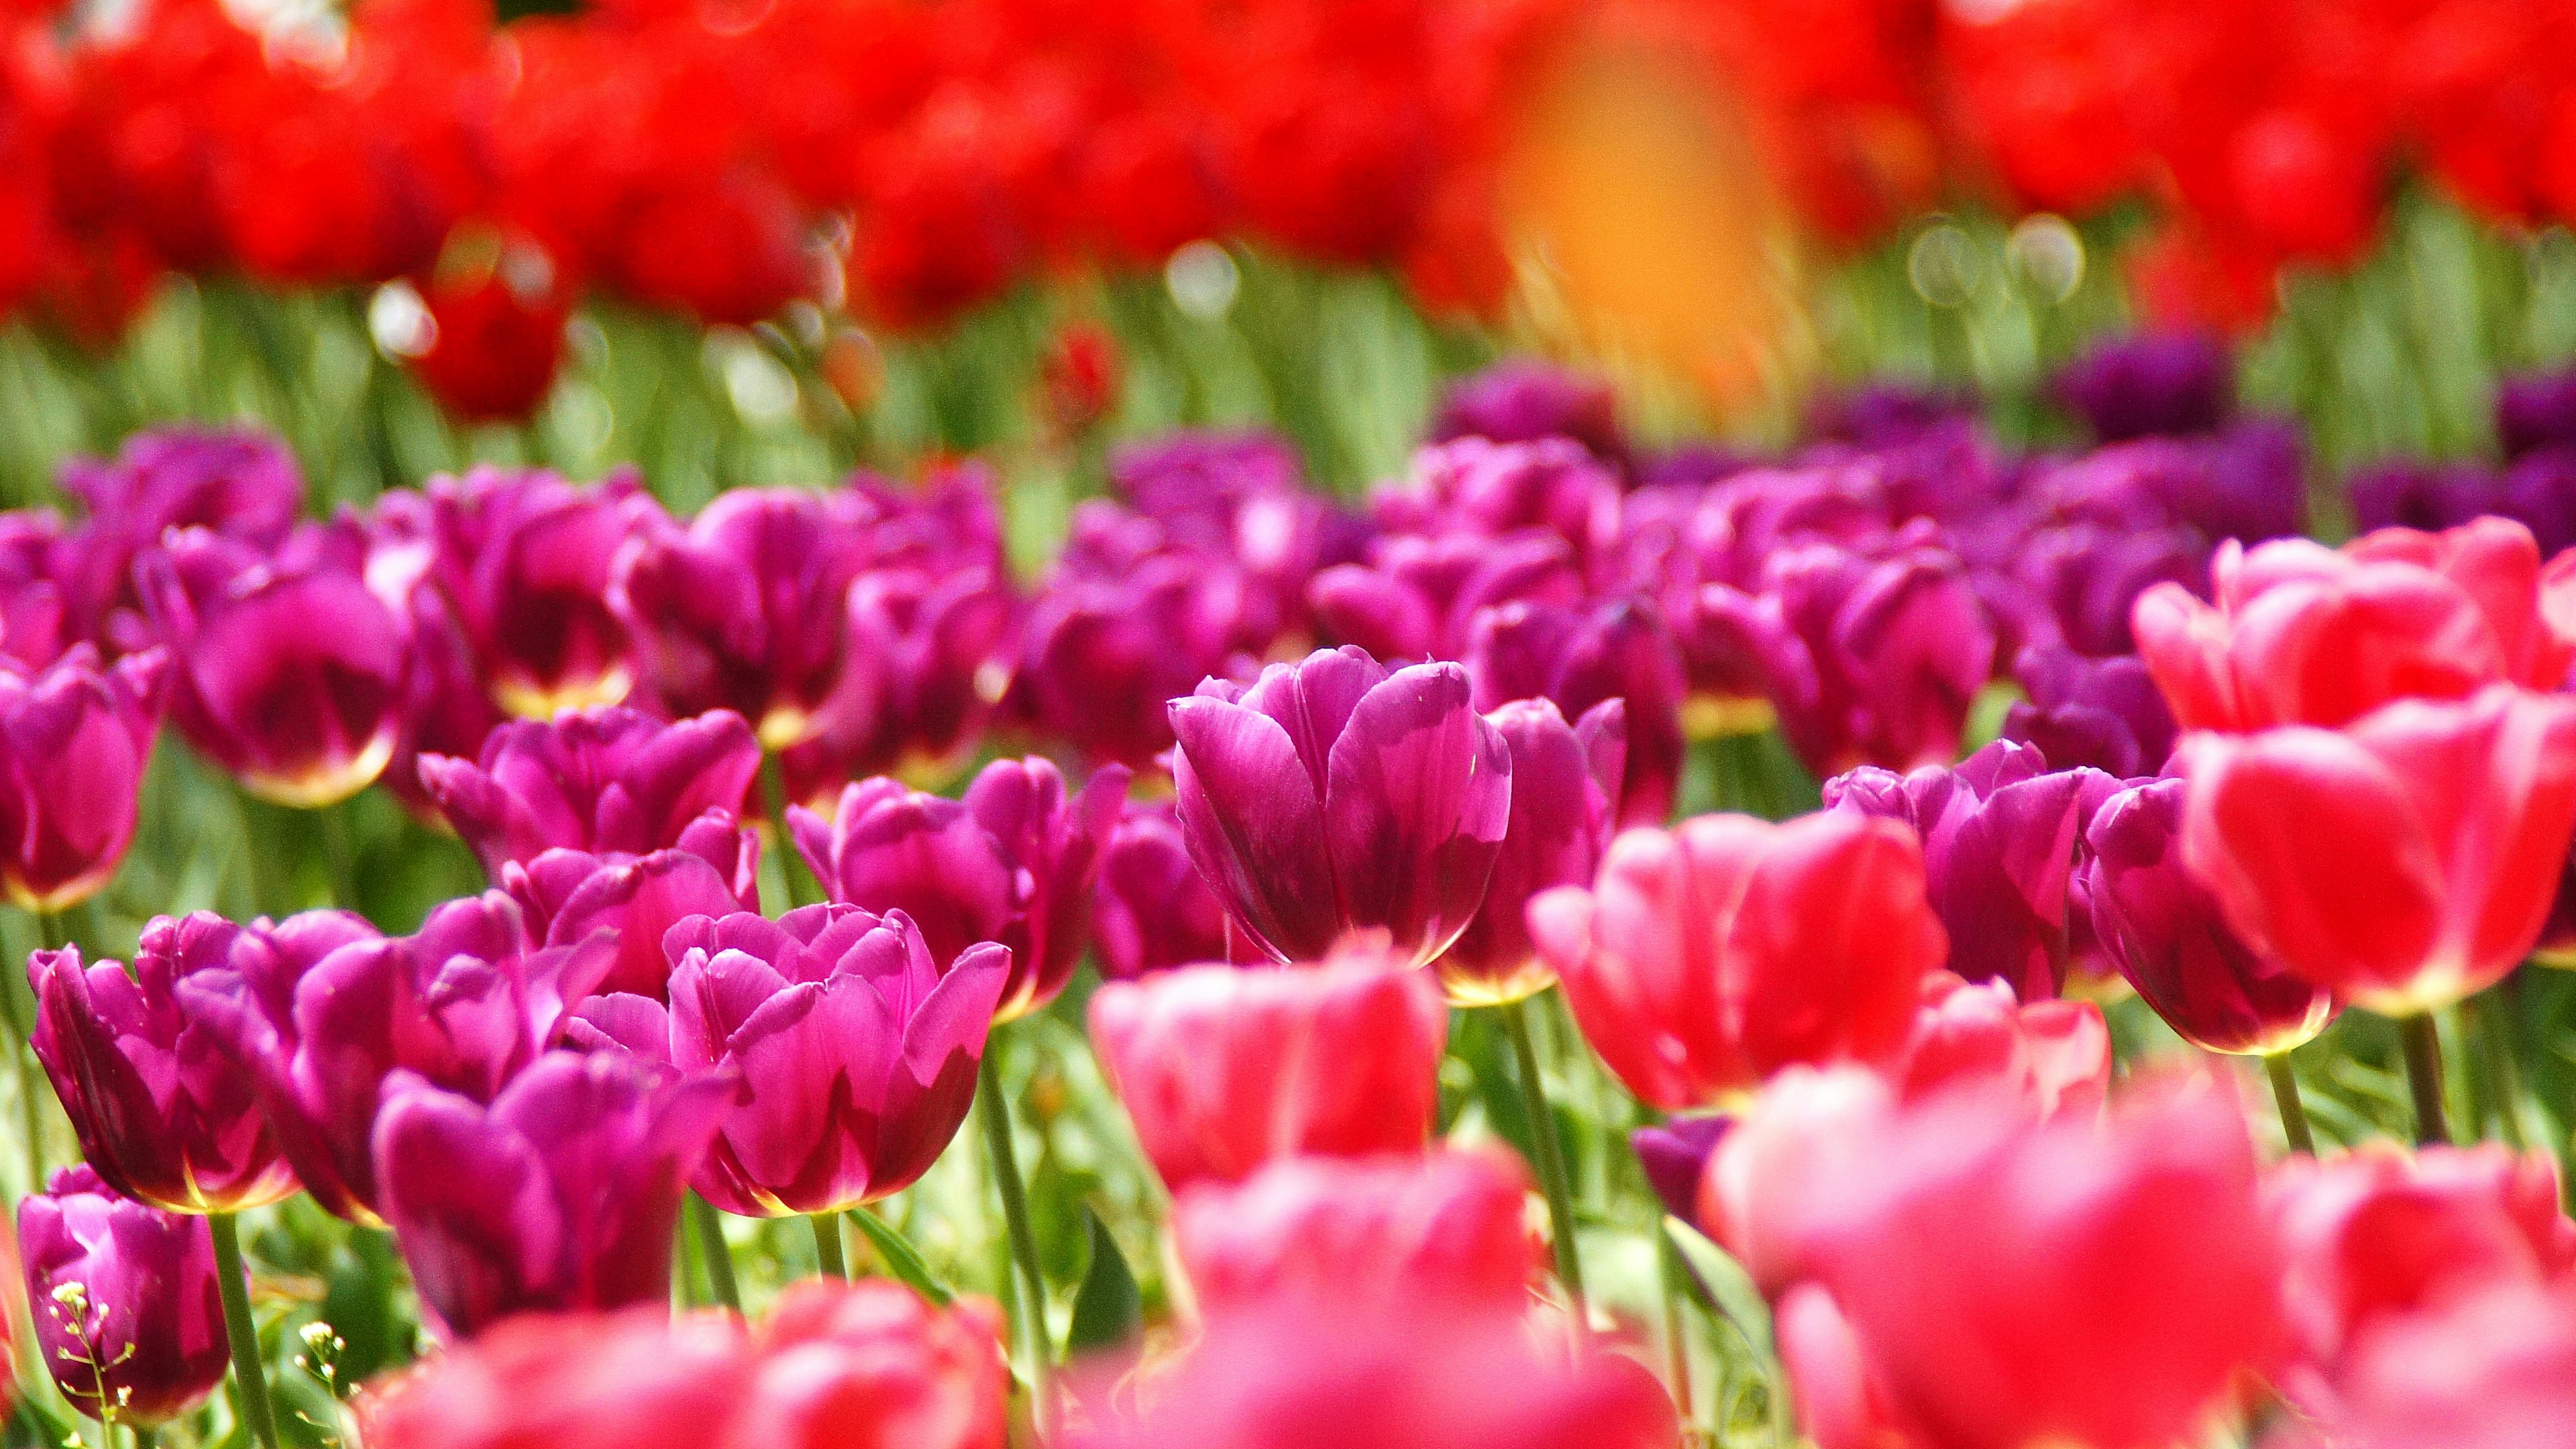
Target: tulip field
[1288,724]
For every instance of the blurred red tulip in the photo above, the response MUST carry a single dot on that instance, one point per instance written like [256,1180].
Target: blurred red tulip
[1449,1225]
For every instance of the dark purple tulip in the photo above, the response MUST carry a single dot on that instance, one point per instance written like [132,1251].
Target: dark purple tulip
[161,1110]
[2246,483]
[856,1053]
[1106,653]
[1565,807]
[2000,837]
[524,560]
[744,609]
[290,670]
[1419,598]
[930,656]
[2164,931]
[33,625]
[1240,497]
[1333,795]
[2538,490]
[2154,384]
[1674,1156]
[2536,410]
[1884,414]
[1013,862]
[2429,497]
[569,896]
[467,1003]
[1897,645]
[2083,578]
[2103,713]
[1151,912]
[242,485]
[129,1317]
[74,741]
[562,1193]
[1522,401]
[1491,489]
[609,780]
[1618,649]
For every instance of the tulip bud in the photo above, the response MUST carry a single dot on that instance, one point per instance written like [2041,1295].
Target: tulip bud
[1620,650]
[2154,384]
[2102,714]
[74,741]
[1897,644]
[128,1316]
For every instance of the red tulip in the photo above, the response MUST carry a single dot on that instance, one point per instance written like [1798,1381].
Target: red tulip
[2405,862]
[1707,957]
[2055,1054]
[1448,1226]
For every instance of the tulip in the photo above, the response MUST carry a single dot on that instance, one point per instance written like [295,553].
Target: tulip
[1896,646]
[162,1114]
[2102,714]
[1565,798]
[869,1365]
[445,709]
[1447,1226]
[856,1050]
[1619,650]
[1758,1181]
[32,607]
[1106,653]
[562,1192]
[2486,1375]
[1419,598]
[2536,410]
[2136,1241]
[302,715]
[603,781]
[74,741]
[568,896]
[1335,795]
[2082,579]
[1241,497]
[467,1003]
[636,1379]
[930,656]
[2000,836]
[128,1316]
[742,610]
[2055,1056]
[1842,1401]
[1674,1155]
[1222,1069]
[2402,863]
[1520,401]
[2300,634]
[2156,384]
[242,486]
[1150,911]
[1491,489]
[2170,941]
[1013,862]
[1707,957]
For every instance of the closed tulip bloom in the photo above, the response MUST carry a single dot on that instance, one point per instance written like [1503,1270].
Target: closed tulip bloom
[301,715]
[2135,1241]
[595,780]
[562,1192]
[161,1112]
[1222,1070]
[1013,862]
[2000,835]
[1335,795]
[467,1003]
[1707,957]
[635,1379]
[1896,646]
[856,1050]
[2154,384]
[127,1314]
[568,896]
[742,610]
[1448,1225]
[1150,911]
[1674,1155]
[2055,1056]
[2301,634]
[1565,804]
[2404,862]
[869,1365]
[2169,939]
[2536,410]
[1583,659]
[931,653]
[2102,714]
[74,741]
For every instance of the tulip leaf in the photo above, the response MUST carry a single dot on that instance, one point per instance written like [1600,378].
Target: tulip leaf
[1108,1309]
[901,1258]
[1721,1284]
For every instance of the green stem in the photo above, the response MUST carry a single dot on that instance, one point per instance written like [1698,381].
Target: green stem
[827,1245]
[2285,1094]
[234,1283]
[2496,1036]
[1551,1165]
[31,1110]
[802,889]
[993,1109]
[2423,1042]
[711,1247]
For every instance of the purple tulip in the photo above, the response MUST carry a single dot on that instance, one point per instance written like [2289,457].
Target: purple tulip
[74,741]
[1885,414]
[2538,490]
[128,1313]
[2156,384]
[2164,931]
[2536,410]
[2410,493]
[161,1110]
[467,1004]
[1239,497]
[1333,795]
[1521,401]
[445,709]
[930,655]
[2000,838]
[1013,862]
[33,624]
[2103,713]
[570,896]
[1674,1157]
[562,1193]
[289,669]
[1489,489]
[608,780]
[1419,597]
[2083,578]
[524,560]
[856,1052]
[1895,645]
[1106,650]
[242,486]
[1151,911]
[1564,808]
[1619,649]
[744,609]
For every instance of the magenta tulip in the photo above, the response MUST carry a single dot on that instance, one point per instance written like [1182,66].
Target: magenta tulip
[1565,805]
[242,486]
[128,1318]
[74,741]
[1151,912]
[605,781]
